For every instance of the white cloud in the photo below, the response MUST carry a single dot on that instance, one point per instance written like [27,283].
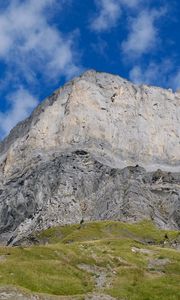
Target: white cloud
[109,12]
[136,75]
[175,81]
[143,33]
[21,104]
[130,3]
[31,47]
[140,75]
[29,41]
[153,73]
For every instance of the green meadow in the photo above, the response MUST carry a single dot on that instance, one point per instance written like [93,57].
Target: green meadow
[125,261]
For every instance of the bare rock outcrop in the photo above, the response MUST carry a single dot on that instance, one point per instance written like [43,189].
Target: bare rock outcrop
[98,148]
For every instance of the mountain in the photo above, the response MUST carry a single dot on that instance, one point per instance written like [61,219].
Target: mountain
[99,148]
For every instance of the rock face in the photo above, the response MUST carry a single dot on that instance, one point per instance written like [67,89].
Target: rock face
[93,150]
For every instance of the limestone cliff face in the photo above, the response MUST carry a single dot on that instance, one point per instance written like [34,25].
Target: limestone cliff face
[57,166]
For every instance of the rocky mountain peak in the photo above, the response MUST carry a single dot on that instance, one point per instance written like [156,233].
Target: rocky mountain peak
[70,159]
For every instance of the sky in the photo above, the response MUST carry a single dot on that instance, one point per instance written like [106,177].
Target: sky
[45,43]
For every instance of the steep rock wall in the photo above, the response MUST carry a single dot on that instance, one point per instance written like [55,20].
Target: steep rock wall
[118,124]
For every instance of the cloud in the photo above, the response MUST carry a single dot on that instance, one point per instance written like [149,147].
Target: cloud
[100,46]
[175,81]
[31,44]
[21,104]
[161,73]
[130,3]
[148,75]
[143,33]
[109,13]
[33,53]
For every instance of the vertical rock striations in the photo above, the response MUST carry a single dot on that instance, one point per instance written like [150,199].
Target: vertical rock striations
[93,150]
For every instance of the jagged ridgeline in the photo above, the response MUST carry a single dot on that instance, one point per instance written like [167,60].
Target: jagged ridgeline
[99,148]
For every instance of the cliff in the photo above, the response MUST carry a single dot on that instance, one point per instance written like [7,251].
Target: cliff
[99,148]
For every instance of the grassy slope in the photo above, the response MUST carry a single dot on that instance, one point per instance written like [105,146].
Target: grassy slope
[54,268]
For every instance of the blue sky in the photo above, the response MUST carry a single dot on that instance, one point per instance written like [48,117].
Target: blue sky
[44,43]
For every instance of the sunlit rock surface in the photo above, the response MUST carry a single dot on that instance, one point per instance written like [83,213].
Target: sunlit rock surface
[92,151]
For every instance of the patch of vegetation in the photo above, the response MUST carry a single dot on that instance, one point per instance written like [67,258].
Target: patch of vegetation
[144,231]
[134,258]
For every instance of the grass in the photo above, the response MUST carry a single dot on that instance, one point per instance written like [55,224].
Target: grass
[53,267]
[43,269]
[144,230]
